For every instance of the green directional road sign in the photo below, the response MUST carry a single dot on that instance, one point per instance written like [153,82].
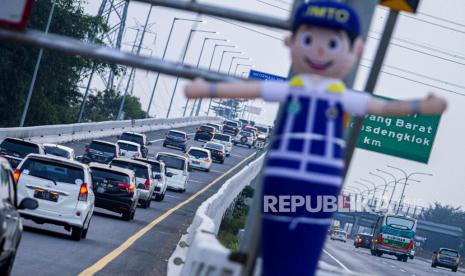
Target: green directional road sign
[408,137]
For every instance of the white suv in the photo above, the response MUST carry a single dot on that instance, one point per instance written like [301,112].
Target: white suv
[63,188]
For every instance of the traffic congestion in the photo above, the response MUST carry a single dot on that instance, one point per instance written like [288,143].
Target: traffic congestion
[64,189]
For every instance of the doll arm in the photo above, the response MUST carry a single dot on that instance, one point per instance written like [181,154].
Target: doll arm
[429,105]
[269,91]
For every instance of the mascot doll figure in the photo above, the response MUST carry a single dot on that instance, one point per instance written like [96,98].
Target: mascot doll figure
[306,158]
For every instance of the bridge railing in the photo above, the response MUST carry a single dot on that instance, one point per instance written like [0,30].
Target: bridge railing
[199,249]
[74,132]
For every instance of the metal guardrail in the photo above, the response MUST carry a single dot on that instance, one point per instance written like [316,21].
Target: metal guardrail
[73,132]
[204,252]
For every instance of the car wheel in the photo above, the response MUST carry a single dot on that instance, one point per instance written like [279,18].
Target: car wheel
[454,269]
[127,215]
[148,203]
[399,258]
[76,233]
[405,258]
[207,170]
[379,253]
[250,146]
[222,161]
[84,233]
[158,197]
[373,252]
[183,190]
[357,247]
[5,269]
[143,203]
[433,265]
[133,214]
[164,145]
[163,197]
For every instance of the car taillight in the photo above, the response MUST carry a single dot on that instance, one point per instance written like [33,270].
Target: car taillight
[211,132]
[410,246]
[83,192]
[229,145]
[208,160]
[221,154]
[380,238]
[147,184]
[129,188]
[16,175]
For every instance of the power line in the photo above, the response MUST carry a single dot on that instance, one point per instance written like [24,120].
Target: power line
[272,5]
[421,52]
[416,81]
[422,45]
[418,74]
[247,28]
[442,19]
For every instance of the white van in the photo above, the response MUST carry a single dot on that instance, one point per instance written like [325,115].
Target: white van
[63,189]
[177,166]
[129,150]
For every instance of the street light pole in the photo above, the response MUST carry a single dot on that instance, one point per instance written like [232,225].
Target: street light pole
[407,177]
[385,186]
[219,68]
[164,54]
[198,64]
[374,189]
[209,68]
[36,69]
[232,61]
[239,65]
[183,59]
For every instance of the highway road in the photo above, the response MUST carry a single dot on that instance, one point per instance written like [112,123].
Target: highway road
[360,261]
[117,247]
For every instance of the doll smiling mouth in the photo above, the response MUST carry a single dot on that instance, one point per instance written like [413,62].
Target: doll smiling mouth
[318,65]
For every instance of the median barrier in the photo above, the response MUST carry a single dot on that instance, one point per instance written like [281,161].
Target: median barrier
[84,131]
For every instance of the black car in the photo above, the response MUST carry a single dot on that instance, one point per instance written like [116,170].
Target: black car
[205,133]
[176,139]
[14,150]
[9,217]
[363,240]
[100,152]
[114,189]
[445,257]
[138,138]
[231,127]
[217,151]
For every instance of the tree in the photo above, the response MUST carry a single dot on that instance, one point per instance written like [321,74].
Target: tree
[104,106]
[56,95]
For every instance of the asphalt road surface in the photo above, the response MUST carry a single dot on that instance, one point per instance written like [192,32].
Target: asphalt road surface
[360,261]
[117,247]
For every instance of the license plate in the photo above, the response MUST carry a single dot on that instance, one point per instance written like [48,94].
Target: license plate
[101,190]
[46,195]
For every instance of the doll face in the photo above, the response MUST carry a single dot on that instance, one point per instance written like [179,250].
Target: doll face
[323,51]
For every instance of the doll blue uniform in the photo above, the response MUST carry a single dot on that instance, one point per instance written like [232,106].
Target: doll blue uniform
[306,159]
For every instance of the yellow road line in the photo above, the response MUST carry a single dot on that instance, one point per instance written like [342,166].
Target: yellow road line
[99,265]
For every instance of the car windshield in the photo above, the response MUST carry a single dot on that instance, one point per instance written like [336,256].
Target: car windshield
[99,175]
[57,151]
[198,153]
[129,147]
[132,138]
[222,137]
[177,134]
[246,134]
[340,232]
[400,223]
[139,170]
[214,146]
[102,147]
[449,253]
[172,162]
[54,171]
[18,148]
[233,124]
[206,128]
[214,126]
[262,129]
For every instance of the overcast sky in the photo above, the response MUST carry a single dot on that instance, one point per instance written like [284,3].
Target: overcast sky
[428,55]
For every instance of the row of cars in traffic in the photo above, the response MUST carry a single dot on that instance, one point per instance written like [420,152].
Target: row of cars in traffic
[48,183]
[442,257]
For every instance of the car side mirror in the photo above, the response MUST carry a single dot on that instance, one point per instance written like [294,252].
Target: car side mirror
[28,203]
[169,174]
[157,177]
[79,158]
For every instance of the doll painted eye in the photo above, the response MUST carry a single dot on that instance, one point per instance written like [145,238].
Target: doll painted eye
[307,40]
[333,44]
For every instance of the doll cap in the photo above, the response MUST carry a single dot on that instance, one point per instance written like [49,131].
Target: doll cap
[328,14]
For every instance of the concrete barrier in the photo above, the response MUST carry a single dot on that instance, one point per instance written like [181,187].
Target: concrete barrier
[199,249]
[74,132]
